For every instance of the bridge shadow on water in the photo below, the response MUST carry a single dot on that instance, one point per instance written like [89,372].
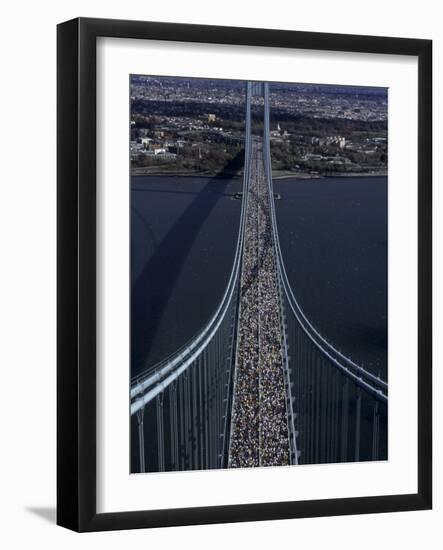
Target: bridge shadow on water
[147,307]
[172,191]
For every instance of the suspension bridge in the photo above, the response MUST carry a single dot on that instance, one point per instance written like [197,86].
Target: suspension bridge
[258,385]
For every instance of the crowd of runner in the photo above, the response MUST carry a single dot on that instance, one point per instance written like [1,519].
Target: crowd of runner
[259,432]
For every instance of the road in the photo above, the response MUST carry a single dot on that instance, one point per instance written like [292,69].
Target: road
[259,431]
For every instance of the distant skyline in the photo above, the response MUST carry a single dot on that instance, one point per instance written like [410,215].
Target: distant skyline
[234,83]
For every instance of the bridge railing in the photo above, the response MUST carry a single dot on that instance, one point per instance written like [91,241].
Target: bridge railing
[339,409]
[183,403]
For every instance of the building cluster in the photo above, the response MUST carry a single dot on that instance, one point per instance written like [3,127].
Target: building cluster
[187,90]
[166,141]
[154,147]
[340,141]
[259,432]
[173,119]
[330,159]
[331,102]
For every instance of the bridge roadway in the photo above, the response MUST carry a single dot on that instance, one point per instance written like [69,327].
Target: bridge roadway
[259,429]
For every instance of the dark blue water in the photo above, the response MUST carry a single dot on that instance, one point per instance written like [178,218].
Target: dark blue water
[183,236]
[333,234]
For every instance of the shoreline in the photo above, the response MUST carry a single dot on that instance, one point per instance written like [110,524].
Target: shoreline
[305,176]
[278,177]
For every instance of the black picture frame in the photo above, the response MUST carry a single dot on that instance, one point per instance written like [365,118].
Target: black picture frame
[76,266]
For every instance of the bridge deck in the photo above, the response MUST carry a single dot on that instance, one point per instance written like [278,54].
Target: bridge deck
[259,431]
